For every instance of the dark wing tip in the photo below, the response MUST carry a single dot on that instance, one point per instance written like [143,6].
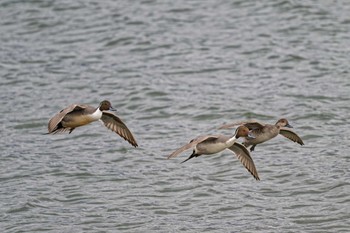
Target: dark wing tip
[134,144]
[256,176]
[115,124]
[128,137]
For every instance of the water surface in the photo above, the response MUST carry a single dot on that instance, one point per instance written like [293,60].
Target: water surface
[174,70]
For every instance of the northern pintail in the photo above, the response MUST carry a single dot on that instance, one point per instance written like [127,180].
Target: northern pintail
[211,144]
[77,115]
[265,132]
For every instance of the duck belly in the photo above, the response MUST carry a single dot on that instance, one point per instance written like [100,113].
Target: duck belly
[74,120]
[211,148]
[260,138]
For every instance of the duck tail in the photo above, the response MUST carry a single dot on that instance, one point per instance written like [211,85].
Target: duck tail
[191,156]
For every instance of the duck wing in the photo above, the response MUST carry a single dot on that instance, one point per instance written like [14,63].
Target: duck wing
[55,120]
[114,123]
[191,144]
[291,135]
[244,156]
[249,124]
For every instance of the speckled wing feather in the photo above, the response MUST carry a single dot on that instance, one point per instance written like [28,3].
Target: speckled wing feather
[191,144]
[55,120]
[291,136]
[249,124]
[114,123]
[244,156]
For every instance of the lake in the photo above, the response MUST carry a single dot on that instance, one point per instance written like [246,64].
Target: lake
[174,70]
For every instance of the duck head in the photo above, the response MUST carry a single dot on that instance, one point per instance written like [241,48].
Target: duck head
[283,122]
[106,105]
[243,131]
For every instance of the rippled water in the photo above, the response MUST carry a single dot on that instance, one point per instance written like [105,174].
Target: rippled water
[174,70]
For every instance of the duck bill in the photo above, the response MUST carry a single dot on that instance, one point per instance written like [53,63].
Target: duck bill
[288,126]
[250,136]
[112,109]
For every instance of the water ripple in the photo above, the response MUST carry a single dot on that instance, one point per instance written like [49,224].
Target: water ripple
[174,70]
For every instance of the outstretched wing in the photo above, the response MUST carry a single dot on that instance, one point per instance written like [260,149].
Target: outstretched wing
[244,156]
[249,124]
[114,123]
[291,136]
[55,120]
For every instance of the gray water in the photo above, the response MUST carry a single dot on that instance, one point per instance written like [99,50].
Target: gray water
[174,70]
